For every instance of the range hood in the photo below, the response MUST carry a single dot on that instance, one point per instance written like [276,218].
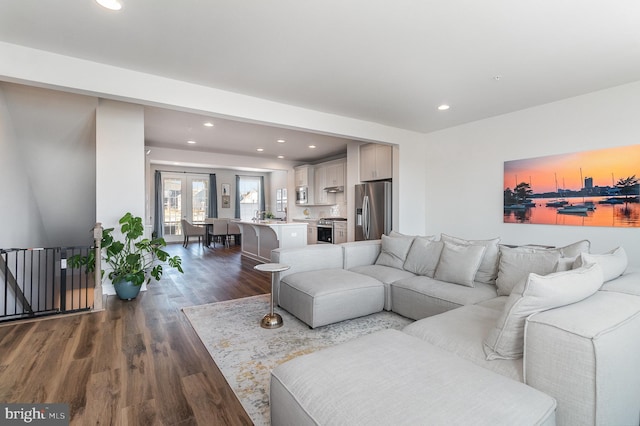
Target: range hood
[334,189]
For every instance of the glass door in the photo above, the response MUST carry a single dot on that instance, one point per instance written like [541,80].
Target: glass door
[184,196]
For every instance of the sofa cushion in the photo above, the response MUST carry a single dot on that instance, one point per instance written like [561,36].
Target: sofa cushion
[488,270]
[517,263]
[358,253]
[423,256]
[458,264]
[628,283]
[461,331]
[419,297]
[394,251]
[385,274]
[391,378]
[613,263]
[538,293]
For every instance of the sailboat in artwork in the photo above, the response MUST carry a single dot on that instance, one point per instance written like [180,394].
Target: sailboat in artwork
[580,209]
[559,202]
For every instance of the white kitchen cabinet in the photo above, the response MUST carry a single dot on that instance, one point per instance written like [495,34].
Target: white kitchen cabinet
[321,182]
[375,162]
[339,232]
[312,233]
[335,174]
[302,177]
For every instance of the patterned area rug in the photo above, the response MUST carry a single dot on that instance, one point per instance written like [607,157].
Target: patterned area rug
[246,353]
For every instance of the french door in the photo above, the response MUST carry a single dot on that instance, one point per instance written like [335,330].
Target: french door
[184,196]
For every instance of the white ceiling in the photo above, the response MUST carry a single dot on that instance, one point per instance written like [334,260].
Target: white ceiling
[388,62]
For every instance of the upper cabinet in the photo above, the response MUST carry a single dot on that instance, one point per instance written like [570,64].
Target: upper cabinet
[335,174]
[302,175]
[375,162]
[329,175]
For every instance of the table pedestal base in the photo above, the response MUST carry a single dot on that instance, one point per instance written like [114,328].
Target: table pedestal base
[272,319]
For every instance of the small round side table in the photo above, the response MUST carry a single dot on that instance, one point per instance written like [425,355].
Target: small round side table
[272,319]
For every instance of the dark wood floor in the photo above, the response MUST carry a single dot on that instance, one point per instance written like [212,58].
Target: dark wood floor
[138,362]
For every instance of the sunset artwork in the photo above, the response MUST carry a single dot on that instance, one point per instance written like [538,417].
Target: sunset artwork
[591,188]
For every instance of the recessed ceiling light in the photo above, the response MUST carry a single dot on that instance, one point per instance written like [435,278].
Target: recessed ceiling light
[280,141]
[191,142]
[208,124]
[110,4]
[443,107]
[281,156]
[260,149]
[312,146]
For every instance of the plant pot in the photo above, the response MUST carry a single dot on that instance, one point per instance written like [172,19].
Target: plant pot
[126,290]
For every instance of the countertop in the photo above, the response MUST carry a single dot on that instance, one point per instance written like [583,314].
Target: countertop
[268,222]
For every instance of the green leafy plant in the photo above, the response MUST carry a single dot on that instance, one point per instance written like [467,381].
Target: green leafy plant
[134,259]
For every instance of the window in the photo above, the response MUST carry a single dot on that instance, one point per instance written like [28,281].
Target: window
[185,196]
[250,196]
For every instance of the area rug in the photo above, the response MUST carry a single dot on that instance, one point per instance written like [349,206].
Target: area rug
[246,353]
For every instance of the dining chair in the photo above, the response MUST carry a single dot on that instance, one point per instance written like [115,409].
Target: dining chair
[219,231]
[234,231]
[191,230]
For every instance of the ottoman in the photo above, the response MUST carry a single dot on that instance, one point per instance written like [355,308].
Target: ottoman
[331,295]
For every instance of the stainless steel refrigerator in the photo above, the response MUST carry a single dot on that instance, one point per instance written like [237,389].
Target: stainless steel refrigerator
[373,210]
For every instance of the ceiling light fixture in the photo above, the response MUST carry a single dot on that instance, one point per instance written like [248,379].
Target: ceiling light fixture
[260,149]
[281,156]
[280,141]
[191,142]
[110,4]
[312,146]
[208,124]
[443,107]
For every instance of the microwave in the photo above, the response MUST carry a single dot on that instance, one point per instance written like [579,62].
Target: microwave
[302,195]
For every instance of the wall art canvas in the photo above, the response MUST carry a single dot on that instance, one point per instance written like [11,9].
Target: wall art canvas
[590,188]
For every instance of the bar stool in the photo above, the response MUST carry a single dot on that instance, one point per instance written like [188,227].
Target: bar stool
[272,319]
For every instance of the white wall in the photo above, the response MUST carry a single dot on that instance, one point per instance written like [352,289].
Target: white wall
[47,160]
[120,161]
[464,166]
[17,200]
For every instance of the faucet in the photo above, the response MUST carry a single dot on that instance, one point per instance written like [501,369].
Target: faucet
[259,215]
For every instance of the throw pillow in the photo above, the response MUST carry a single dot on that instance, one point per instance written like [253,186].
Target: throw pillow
[565,264]
[423,256]
[538,293]
[393,251]
[458,264]
[488,270]
[516,264]
[574,249]
[613,263]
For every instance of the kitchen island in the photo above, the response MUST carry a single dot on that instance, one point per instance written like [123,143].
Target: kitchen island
[259,238]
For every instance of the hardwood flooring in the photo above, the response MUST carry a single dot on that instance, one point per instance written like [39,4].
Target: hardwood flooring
[137,362]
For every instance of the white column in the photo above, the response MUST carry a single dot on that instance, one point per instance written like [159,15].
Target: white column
[120,161]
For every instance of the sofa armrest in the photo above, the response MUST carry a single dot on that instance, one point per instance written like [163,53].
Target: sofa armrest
[308,258]
[360,253]
[585,355]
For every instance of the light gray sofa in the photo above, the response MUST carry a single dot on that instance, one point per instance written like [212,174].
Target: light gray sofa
[524,343]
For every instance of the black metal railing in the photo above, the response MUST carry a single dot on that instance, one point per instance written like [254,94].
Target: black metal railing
[37,282]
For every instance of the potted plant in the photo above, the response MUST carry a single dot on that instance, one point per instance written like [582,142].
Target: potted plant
[131,261]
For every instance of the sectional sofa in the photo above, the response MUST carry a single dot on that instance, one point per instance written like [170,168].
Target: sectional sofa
[503,335]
